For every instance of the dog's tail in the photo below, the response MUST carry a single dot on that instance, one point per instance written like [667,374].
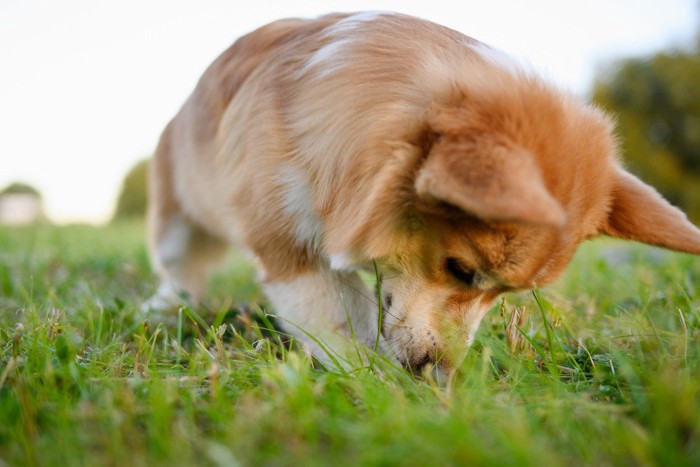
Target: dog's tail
[638,212]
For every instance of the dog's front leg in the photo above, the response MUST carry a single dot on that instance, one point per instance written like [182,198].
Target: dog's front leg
[324,309]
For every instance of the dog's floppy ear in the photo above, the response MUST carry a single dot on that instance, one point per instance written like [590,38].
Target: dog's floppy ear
[639,213]
[488,181]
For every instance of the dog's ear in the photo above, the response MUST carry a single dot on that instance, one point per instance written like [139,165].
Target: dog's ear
[491,182]
[638,212]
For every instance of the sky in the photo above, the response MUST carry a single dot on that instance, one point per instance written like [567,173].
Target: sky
[86,86]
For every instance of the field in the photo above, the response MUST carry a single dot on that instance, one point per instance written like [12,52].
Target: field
[602,368]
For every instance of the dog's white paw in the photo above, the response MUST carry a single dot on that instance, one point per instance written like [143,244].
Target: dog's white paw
[162,307]
[164,300]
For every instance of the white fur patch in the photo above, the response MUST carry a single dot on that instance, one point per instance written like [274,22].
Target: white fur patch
[329,58]
[303,301]
[173,245]
[472,318]
[350,24]
[321,303]
[341,262]
[165,298]
[297,203]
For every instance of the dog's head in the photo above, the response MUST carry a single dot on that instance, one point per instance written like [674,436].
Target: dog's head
[507,186]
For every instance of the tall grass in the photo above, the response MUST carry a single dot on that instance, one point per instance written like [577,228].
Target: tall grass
[602,368]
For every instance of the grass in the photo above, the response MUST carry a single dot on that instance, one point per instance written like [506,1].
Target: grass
[603,368]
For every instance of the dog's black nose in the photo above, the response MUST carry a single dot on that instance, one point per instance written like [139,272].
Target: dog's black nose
[417,365]
[430,366]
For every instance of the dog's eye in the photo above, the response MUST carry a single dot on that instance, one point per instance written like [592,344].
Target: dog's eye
[460,271]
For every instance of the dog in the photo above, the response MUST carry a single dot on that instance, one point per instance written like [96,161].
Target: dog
[324,147]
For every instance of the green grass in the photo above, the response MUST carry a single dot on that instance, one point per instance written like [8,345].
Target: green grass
[603,368]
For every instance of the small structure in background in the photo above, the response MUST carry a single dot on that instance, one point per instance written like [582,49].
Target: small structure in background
[20,204]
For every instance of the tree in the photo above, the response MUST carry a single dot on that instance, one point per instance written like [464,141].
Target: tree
[133,197]
[656,101]
[19,188]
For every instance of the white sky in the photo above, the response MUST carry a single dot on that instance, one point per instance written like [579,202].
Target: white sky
[86,86]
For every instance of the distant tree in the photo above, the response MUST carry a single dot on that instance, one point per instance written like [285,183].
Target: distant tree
[19,188]
[656,101]
[133,197]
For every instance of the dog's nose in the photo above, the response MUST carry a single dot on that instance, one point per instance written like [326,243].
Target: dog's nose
[438,371]
[417,365]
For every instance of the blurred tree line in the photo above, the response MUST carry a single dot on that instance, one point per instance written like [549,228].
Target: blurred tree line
[133,196]
[656,102]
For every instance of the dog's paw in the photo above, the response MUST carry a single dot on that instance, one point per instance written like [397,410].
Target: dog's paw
[163,305]
[160,301]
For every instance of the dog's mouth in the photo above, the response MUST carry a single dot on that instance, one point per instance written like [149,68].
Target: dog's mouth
[417,365]
[425,363]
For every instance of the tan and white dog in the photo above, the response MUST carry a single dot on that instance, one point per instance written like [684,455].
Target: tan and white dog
[323,145]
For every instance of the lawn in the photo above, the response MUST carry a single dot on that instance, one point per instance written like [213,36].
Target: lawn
[602,368]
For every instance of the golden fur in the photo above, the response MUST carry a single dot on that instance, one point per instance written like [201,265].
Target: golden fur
[322,145]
